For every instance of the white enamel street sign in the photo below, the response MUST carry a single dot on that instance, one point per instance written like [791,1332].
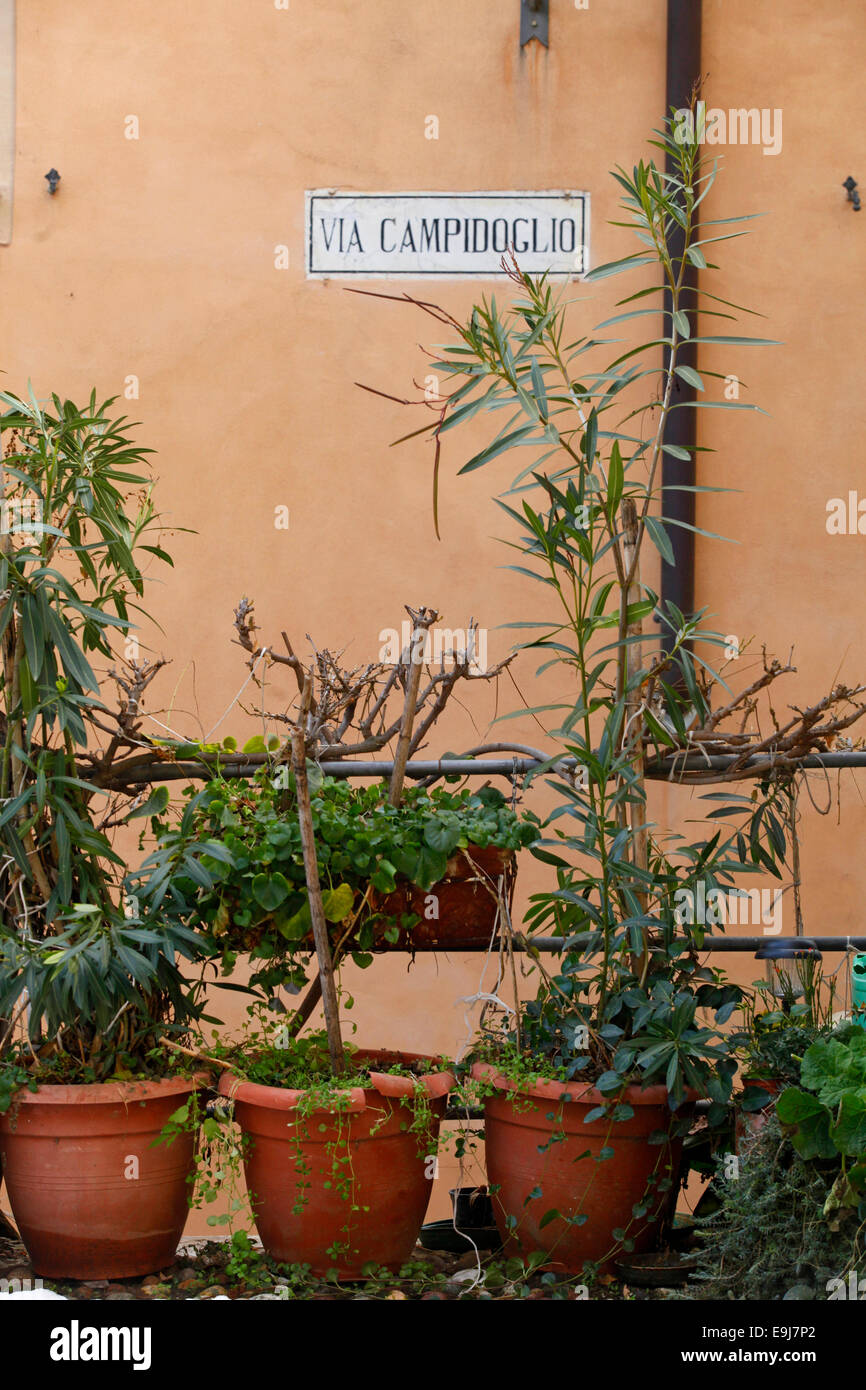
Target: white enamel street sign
[413,235]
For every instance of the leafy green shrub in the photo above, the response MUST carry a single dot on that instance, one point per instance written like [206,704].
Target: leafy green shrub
[826,1116]
[258,899]
[86,992]
[774,1233]
[623,1004]
[777,1042]
[99,995]
[777,1047]
[70,579]
[670,1042]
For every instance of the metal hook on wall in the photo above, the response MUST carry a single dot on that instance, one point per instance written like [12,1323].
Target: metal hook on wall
[850,186]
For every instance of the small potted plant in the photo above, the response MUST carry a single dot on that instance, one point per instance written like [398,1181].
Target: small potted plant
[771,1058]
[797,1010]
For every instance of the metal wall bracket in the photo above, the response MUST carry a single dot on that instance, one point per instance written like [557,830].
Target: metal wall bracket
[535,22]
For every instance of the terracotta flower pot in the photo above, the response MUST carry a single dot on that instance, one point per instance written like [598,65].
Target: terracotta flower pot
[750,1122]
[521,1120]
[338,1190]
[91,1197]
[458,913]
[465,903]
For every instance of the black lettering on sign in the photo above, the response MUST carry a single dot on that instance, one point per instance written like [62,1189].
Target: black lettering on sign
[452,229]
[427,233]
[500,234]
[393,221]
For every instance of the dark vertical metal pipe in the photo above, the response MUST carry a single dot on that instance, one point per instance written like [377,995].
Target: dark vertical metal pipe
[678,579]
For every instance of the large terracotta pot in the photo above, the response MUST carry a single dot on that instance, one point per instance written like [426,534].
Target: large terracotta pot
[91,1197]
[537,1137]
[340,1190]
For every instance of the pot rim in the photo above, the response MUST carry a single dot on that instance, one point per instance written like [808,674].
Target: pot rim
[577,1092]
[766,1083]
[110,1092]
[436,1084]
[462,857]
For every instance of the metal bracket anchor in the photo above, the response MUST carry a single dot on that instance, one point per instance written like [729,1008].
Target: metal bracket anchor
[535,22]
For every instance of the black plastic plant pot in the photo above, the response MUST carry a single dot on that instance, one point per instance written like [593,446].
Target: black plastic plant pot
[473,1208]
[665,1269]
[474,1222]
[441,1235]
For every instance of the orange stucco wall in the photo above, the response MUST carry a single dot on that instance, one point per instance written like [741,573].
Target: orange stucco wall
[156,259]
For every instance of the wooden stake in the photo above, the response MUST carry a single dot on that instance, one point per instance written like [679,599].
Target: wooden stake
[314,893]
[306,1006]
[314,992]
[795,857]
[634,719]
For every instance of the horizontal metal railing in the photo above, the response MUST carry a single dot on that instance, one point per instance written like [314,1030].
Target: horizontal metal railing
[520,766]
[710,943]
[233,765]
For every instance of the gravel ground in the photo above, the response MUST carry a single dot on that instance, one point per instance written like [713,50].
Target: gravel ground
[205,1270]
